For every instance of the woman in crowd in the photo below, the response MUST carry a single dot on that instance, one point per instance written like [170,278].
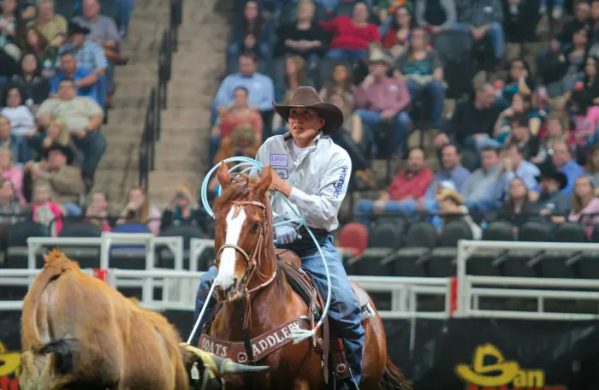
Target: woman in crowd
[519,80]
[183,210]
[251,33]
[21,119]
[556,129]
[593,167]
[47,55]
[35,88]
[396,32]
[97,211]
[585,205]
[424,74]
[10,208]
[521,136]
[522,107]
[55,133]
[45,210]
[12,173]
[137,210]
[296,74]
[11,26]
[20,150]
[517,208]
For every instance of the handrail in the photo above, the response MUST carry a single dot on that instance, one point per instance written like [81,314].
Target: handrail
[159,94]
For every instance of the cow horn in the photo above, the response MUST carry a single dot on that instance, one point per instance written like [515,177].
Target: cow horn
[222,365]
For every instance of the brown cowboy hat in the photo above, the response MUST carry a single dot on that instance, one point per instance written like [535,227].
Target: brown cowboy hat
[307,97]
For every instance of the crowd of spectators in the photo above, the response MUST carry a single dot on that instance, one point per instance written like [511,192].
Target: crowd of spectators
[56,81]
[520,142]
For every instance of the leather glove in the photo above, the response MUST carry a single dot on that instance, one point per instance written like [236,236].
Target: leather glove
[286,233]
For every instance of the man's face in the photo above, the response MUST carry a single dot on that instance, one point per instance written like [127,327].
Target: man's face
[304,125]
[77,39]
[91,9]
[360,14]
[56,159]
[513,154]
[582,11]
[415,161]
[46,11]
[247,66]
[377,69]
[489,159]
[486,97]
[450,157]
[549,185]
[561,154]
[68,64]
[66,90]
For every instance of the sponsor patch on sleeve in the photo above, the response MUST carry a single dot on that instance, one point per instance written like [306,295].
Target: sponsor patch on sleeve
[339,184]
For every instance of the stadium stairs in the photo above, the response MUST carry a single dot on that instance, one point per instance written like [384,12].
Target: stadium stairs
[197,68]
[118,170]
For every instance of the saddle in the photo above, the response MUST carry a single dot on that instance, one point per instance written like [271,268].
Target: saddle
[333,354]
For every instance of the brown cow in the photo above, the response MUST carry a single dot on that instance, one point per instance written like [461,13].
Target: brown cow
[78,332]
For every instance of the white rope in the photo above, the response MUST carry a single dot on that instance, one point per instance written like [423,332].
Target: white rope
[202,312]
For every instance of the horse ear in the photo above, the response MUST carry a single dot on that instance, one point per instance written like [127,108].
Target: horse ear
[264,183]
[223,175]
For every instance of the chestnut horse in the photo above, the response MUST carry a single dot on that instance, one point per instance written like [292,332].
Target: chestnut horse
[244,226]
[80,333]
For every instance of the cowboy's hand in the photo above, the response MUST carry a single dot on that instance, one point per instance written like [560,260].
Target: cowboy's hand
[286,234]
[278,184]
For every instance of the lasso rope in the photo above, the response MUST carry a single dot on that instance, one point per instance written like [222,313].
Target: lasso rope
[249,164]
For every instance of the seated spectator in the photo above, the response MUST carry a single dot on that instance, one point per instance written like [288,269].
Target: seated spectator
[483,18]
[423,71]
[243,141]
[351,36]
[296,74]
[341,83]
[586,95]
[64,179]
[520,135]
[594,50]
[260,89]
[514,165]
[97,211]
[452,208]
[451,175]
[562,161]
[518,207]
[585,205]
[47,55]
[10,208]
[20,150]
[102,28]
[82,118]
[551,201]
[473,119]
[90,56]
[303,37]
[252,33]
[436,16]
[34,87]
[396,32]
[519,80]
[557,10]
[380,99]
[11,25]
[405,192]
[45,210]
[85,80]
[182,210]
[480,189]
[582,20]
[138,210]
[12,172]
[521,107]
[556,130]
[22,122]
[552,65]
[52,26]
[576,54]
[55,133]
[593,167]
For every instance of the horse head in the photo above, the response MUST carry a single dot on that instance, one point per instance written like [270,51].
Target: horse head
[243,234]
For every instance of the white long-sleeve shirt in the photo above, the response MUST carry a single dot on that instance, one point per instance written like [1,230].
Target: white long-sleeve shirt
[319,177]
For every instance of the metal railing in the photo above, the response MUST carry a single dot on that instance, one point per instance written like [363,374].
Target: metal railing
[159,94]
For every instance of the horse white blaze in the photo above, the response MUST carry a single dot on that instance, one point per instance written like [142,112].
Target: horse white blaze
[226,270]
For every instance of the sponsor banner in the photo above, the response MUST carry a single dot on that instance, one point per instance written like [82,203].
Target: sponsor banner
[461,354]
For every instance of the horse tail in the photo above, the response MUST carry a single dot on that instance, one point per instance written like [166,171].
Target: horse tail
[393,379]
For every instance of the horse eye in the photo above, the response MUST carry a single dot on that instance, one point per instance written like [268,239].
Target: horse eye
[255,227]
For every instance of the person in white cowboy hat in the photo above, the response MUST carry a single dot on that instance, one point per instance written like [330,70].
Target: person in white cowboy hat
[313,173]
[380,98]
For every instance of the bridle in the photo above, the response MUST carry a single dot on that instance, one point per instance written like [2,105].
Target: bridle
[252,258]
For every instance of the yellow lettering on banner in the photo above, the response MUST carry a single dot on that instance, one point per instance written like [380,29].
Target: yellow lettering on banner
[9,361]
[499,373]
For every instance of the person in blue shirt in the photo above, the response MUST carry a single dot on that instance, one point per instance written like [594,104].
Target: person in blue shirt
[563,162]
[514,165]
[84,79]
[260,89]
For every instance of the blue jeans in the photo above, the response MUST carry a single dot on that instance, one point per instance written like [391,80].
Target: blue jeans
[92,146]
[436,95]
[495,33]
[344,312]
[125,9]
[365,208]
[348,54]
[399,129]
